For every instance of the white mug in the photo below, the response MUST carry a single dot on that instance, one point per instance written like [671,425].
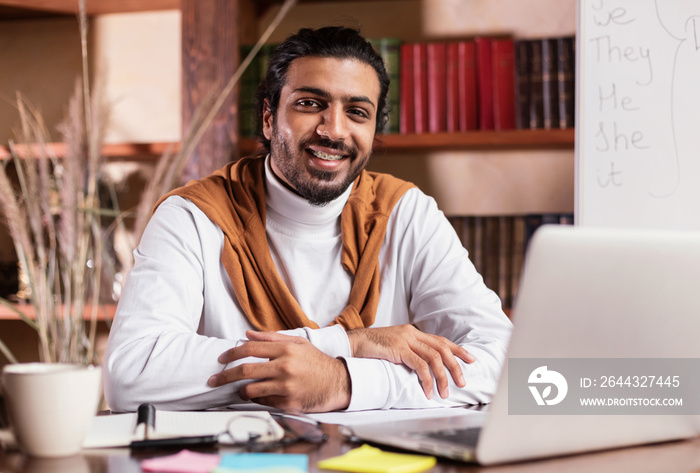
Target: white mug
[51,405]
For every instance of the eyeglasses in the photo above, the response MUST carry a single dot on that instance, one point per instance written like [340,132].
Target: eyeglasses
[262,434]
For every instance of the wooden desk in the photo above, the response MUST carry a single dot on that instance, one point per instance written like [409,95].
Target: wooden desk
[672,457]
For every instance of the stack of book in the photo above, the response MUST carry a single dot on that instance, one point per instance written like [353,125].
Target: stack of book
[487,83]
[497,246]
[544,78]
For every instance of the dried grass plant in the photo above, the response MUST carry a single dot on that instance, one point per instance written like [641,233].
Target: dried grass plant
[54,220]
[55,216]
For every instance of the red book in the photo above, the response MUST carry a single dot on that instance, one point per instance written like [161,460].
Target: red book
[503,62]
[437,86]
[406,112]
[420,87]
[484,82]
[452,78]
[468,118]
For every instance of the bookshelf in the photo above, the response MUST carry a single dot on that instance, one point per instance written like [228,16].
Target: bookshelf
[481,143]
[251,13]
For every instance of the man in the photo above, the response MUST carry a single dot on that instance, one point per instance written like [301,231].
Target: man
[298,280]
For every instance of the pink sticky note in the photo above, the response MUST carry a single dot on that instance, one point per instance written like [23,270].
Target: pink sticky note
[185,461]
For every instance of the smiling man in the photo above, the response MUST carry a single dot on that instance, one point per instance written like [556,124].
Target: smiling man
[298,280]
[331,128]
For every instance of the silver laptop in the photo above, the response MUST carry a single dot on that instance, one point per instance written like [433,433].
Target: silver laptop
[626,300]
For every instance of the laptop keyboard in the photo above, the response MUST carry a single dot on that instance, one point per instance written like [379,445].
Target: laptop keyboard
[467,436]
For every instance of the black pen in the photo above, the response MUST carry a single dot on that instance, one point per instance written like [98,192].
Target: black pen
[175,442]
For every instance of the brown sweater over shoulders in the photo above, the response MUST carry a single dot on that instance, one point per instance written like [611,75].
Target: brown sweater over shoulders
[234,199]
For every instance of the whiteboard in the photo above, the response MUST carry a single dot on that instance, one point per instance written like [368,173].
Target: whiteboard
[638,114]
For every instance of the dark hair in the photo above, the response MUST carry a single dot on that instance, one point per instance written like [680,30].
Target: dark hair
[328,42]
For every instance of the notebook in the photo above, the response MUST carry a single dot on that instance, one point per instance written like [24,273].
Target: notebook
[119,430]
[625,299]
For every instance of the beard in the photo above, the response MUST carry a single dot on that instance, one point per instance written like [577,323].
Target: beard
[316,186]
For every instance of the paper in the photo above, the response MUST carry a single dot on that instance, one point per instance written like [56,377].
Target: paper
[263,462]
[118,430]
[367,459]
[185,461]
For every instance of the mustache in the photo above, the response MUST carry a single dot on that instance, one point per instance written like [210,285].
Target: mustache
[326,142]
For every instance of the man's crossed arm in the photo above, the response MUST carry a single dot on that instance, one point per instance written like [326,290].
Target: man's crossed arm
[297,375]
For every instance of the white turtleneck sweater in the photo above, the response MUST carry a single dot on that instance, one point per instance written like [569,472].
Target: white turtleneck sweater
[178,311]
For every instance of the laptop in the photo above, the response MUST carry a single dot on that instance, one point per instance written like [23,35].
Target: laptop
[628,300]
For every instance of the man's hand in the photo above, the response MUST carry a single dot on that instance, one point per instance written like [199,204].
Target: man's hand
[297,376]
[422,352]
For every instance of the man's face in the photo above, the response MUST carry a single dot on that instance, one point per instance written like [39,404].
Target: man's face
[321,137]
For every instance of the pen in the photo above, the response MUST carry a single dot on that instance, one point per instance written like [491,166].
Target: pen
[146,415]
[176,442]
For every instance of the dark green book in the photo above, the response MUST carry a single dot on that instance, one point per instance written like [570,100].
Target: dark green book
[246,101]
[389,50]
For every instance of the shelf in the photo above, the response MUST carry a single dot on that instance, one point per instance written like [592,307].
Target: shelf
[106,312]
[145,151]
[511,139]
[13,9]
[473,140]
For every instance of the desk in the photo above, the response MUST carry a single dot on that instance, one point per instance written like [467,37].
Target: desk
[672,457]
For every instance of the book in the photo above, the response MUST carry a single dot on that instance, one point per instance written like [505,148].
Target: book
[517,262]
[264,58]
[522,84]
[550,90]
[249,82]
[536,118]
[491,252]
[503,66]
[484,77]
[467,89]
[566,59]
[505,256]
[420,87]
[406,107]
[390,51]
[532,223]
[452,87]
[436,66]
[246,103]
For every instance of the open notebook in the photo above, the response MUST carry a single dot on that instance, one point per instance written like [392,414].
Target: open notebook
[119,430]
